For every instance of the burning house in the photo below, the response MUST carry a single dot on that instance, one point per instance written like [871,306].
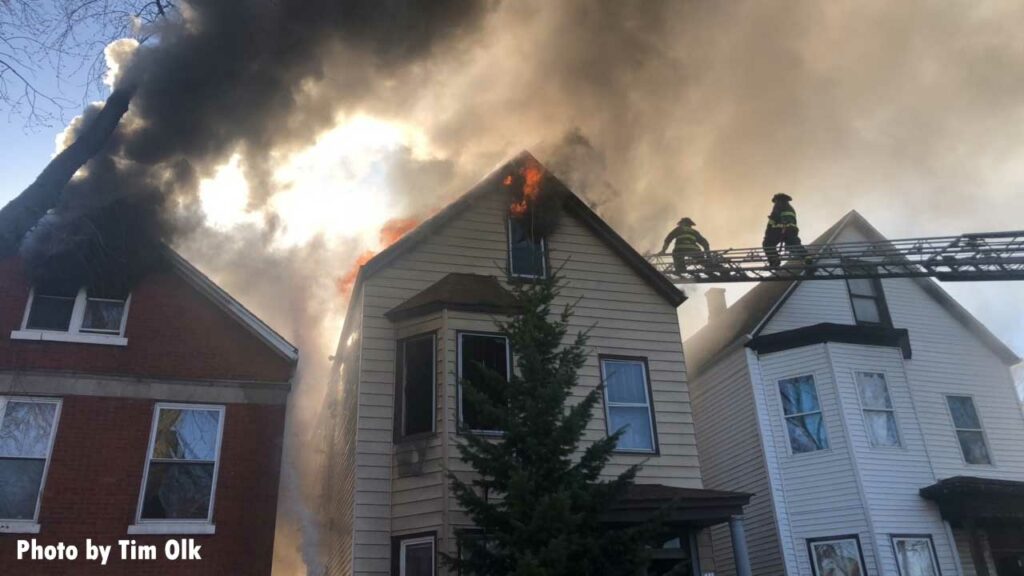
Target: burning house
[147,412]
[422,318]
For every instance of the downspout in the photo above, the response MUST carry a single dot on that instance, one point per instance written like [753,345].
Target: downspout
[445,437]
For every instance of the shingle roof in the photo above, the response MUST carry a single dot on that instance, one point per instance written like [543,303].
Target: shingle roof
[474,292]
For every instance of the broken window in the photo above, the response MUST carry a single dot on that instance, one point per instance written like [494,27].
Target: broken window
[416,375]
[76,311]
[968,429]
[915,555]
[804,422]
[628,403]
[484,363]
[868,301]
[182,467]
[879,415]
[526,258]
[27,429]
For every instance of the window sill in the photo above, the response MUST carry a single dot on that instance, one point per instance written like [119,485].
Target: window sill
[47,336]
[18,527]
[172,528]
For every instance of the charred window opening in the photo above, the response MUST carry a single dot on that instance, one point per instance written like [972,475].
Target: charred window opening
[526,254]
[416,375]
[74,310]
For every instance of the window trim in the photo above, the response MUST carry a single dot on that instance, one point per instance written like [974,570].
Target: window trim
[956,436]
[544,257]
[785,417]
[400,374]
[863,410]
[836,538]
[884,318]
[642,360]
[931,544]
[399,544]
[178,526]
[21,526]
[74,333]
[458,373]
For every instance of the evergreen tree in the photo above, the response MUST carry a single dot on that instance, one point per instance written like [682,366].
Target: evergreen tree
[537,504]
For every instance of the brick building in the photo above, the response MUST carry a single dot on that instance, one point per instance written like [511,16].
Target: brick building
[150,416]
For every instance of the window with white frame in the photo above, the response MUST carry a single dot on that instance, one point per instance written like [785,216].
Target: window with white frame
[968,430]
[879,415]
[804,422]
[836,556]
[416,556]
[628,403]
[87,313]
[27,429]
[526,257]
[484,362]
[915,555]
[181,467]
[416,373]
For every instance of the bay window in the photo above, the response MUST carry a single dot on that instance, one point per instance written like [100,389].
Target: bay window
[805,425]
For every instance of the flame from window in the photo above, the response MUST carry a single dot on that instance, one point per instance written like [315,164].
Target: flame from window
[531,174]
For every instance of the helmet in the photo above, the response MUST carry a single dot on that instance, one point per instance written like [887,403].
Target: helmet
[781,198]
[686,220]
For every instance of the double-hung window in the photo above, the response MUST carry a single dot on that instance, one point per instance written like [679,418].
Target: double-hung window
[484,363]
[74,314]
[416,556]
[181,469]
[27,429]
[804,423]
[968,430]
[526,257]
[915,555]
[836,555]
[879,415]
[416,375]
[628,403]
[868,301]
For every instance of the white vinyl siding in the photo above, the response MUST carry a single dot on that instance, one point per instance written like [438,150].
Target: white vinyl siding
[626,317]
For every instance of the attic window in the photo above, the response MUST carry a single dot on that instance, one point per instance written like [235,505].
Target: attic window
[74,315]
[526,253]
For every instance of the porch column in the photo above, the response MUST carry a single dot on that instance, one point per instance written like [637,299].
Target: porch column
[739,546]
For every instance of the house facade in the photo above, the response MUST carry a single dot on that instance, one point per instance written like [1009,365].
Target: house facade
[148,415]
[422,316]
[875,422]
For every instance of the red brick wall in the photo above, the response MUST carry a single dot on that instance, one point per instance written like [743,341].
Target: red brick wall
[95,475]
[173,332]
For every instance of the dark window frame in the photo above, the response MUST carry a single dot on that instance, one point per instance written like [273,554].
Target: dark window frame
[956,431]
[458,376]
[399,408]
[854,537]
[884,318]
[931,542]
[545,262]
[650,401]
[396,550]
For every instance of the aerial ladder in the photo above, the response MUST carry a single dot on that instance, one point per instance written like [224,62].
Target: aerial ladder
[968,257]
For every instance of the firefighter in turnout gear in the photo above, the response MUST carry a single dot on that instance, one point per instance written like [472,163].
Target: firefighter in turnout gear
[782,229]
[690,245]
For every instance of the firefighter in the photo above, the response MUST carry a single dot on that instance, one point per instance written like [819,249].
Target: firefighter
[782,229]
[690,245]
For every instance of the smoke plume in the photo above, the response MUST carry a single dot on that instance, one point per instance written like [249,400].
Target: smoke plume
[650,109]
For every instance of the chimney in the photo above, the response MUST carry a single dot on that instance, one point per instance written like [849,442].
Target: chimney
[716,303]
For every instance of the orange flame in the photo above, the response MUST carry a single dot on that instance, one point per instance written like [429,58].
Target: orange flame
[390,232]
[532,174]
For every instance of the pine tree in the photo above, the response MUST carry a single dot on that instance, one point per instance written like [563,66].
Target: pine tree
[536,503]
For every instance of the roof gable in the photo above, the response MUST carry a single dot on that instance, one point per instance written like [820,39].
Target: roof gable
[748,316]
[570,202]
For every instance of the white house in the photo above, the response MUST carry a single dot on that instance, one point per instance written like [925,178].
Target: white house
[875,422]
[422,315]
